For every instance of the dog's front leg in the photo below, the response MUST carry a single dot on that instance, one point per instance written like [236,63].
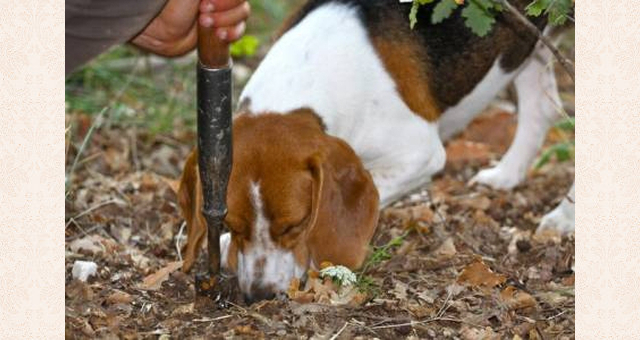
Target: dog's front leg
[538,109]
[405,170]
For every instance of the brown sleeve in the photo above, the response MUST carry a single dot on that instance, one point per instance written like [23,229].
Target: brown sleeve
[93,26]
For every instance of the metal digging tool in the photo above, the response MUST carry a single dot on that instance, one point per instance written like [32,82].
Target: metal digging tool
[214,154]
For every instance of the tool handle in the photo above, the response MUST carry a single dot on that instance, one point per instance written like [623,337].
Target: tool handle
[213,52]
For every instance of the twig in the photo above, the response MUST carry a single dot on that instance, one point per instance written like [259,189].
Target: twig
[444,306]
[100,205]
[421,322]
[335,336]
[134,148]
[84,233]
[214,319]
[564,62]
[178,238]
[84,144]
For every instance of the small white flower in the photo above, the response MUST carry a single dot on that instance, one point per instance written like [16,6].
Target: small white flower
[341,274]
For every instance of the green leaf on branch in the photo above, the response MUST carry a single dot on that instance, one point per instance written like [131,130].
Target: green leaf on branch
[478,17]
[245,47]
[557,10]
[443,10]
[414,11]
[536,8]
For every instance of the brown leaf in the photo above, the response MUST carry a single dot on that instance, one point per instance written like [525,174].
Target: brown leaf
[119,296]
[91,244]
[476,334]
[495,128]
[294,288]
[446,250]
[478,274]
[415,213]
[400,290]
[302,297]
[569,280]
[547,236]
[462,151]
[155,280]
[174,184]
[476,202]
[516,299]
[184,309]
[78,290]
[349,296]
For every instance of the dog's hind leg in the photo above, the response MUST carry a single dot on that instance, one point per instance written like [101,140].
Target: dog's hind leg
[563,217]
[539,108]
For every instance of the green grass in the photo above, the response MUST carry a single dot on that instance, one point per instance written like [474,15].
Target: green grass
[561,151]
[378,255]
[137,96]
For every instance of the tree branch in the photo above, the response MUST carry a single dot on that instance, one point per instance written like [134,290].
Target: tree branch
[564,62]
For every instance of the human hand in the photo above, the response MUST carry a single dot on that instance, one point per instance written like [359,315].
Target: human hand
[174,31]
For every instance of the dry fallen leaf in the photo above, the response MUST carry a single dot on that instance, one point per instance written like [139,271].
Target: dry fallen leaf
[174,184]
[119,296]
[478,274]
[516,299]
[325,291]
[294,287]
[446,250]
[475,202]
[155,280]
[91,244]
[400,291]
[465,151]
[487,333]
[547,235]
[184,309]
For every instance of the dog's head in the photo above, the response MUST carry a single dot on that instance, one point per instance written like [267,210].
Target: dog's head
[296,197]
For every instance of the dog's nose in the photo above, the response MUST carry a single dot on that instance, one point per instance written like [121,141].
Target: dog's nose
[258,294]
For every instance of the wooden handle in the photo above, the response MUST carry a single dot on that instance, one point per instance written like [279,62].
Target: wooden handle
[212,51]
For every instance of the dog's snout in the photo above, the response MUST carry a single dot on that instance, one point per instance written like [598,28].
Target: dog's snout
[259,294]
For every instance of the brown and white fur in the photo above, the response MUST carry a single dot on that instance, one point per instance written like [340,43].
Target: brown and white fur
[350,90]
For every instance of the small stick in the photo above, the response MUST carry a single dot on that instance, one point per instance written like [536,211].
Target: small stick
[564,62]
[335,336]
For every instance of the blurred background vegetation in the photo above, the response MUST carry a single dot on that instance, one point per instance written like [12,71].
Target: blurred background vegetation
[158,94]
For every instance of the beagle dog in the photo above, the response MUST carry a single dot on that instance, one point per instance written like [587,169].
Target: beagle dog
[348,112]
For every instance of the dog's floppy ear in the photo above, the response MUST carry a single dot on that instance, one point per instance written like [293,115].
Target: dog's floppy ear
[344,211]
[190,201]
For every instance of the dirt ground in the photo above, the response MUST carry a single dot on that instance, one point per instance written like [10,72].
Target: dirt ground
[449,261]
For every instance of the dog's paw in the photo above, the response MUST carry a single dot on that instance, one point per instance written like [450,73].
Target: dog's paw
[497,178]
[561,219]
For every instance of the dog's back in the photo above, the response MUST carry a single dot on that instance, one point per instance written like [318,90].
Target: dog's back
[448,56]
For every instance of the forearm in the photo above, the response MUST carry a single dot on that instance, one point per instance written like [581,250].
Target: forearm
[93,26]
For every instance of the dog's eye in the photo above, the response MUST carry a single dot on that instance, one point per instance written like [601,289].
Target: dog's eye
[288,228]
[292,227]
